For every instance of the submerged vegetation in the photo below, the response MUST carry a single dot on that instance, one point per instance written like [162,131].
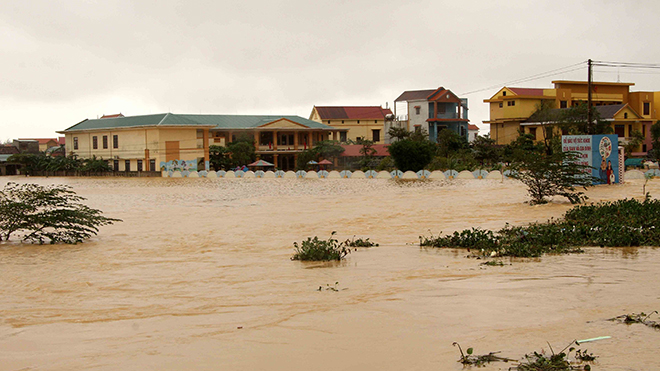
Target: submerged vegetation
[314,249]
[642,318]
[620,223]
[360,242]
[50,214]
[478,360]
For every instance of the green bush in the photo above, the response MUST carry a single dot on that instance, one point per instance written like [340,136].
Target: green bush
[613,224]
[315,249]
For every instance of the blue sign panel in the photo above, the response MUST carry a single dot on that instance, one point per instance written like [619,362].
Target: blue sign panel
[598,151]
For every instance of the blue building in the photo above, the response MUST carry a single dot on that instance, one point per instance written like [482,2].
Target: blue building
[432,111]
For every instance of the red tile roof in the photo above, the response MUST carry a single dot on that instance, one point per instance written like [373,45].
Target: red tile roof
[473,127]
[415,95]
[353,113]
[116,115]
[353,150]
[61,141]
[527,91]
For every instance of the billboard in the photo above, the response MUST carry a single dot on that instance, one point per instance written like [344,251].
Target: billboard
[598,151]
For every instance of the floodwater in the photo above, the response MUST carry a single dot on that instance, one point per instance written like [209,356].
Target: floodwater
[198,276]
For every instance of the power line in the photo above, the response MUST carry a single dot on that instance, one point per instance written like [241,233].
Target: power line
[537,76]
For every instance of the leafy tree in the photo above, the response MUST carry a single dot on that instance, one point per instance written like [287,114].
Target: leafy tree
[636,139]
[655,137]
[327,149]
[242,151]
[485,150]
[367,151]
[219,157]
[556,174]
[95,165]
[574,120]
[449,142]
[412,154]
[47,214]
[398,132]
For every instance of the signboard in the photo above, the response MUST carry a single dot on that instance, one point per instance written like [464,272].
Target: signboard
[598,151]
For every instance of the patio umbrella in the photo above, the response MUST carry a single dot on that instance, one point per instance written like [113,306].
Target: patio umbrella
[312,162]
[324,162]
[261,163]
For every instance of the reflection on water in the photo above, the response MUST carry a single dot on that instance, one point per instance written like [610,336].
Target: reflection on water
[199,276]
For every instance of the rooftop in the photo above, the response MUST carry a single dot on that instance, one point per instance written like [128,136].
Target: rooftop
[352,113]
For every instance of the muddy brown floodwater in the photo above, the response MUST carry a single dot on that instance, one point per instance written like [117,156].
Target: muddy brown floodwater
[198,277]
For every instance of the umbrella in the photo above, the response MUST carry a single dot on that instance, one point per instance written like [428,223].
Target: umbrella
[261,163]
[325,162]
[312,162]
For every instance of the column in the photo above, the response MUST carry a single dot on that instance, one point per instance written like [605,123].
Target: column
[275,140]
[295,140]
[255,136]
[275,158]
[334,135]
[228,138]
[207,157]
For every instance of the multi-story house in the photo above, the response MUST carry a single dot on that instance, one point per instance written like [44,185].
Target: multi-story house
[511,109]
[363,122]
[432,111]
[156,142]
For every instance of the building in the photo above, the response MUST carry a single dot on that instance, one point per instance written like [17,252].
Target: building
[364,122]
[473,131]
[167,140]
[45,143]
[8,168]
[511,108]
[432,111]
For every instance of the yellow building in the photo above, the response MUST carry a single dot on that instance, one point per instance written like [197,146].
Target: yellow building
[511,108]
[158,142]
[366,122]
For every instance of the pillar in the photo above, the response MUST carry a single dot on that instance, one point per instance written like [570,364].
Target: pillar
[207,157]
[275,140]
[275,158]
[334,136]
[295,140]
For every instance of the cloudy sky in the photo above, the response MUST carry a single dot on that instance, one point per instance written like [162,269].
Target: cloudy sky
[64,61]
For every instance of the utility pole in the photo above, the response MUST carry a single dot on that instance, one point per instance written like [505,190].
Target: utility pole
[589,87]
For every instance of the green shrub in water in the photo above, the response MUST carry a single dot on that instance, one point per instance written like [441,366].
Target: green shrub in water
[315,249]
[613,224]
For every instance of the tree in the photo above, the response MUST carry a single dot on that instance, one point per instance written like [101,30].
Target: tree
[327,149]
[412,154]
[636,139]
[219,157]
[655,137]
[367,151]
[242,151]
[449,142]
[95,165]
[574,120]
[47,214]
[556,174]
[398,132]
[485,150]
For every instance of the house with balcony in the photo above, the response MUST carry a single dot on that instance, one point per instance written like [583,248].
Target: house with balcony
[154,142]
[432,111]
[511,109]
[360,122]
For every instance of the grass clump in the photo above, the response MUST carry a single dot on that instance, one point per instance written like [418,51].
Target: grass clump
[556,362]
[360,242]
[642,318]
[314,249]
[478,360]
[620,223]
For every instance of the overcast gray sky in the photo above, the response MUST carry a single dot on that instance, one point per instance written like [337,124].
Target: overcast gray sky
[64,61]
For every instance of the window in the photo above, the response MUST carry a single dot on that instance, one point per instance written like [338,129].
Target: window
[115,165]
[647,108]
[375,134]
[358,121]
[328,122]
[501,104]
[342,136]
[75,142]
[511,103]
[139,165]
[95,142]
[375,121]
[620,130]
[532,131]
[504,93]
[563,104]
[152,165]
[342,121]
[417,109]
[115,141]
[105,142]
[127,165]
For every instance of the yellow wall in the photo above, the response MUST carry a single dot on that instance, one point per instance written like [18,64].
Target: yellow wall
[504,133]
[360,128]
[133,142]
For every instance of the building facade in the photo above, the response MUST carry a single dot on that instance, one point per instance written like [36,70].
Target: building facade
[432,111]
[163,141]
[363,122]
[511,108]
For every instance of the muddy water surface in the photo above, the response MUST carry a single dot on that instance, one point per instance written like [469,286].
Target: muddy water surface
[198,277]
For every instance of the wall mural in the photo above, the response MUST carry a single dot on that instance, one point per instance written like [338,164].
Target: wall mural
[178,165]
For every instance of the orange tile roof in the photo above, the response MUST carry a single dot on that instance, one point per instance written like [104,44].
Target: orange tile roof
[353,113]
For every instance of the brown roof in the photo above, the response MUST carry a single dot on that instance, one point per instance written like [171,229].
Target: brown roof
[116,115]
[8,150]
[415,95]
[527,91]
[353,150]
[352,113]
[472,127]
